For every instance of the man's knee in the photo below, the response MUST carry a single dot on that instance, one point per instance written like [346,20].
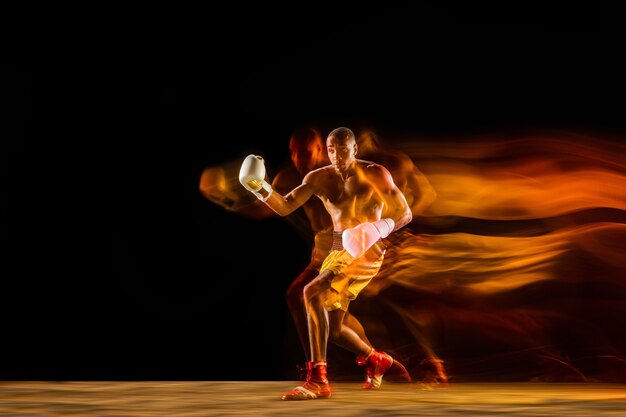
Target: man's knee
[315,289]
[296,289]
[312,291]
[308,292]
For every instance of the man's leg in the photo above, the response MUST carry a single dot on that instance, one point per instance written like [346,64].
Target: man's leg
[316,385]
[295,302]
[321,322]
[317,315]
[344,336]
[376,363]
[297,309]
[353,323]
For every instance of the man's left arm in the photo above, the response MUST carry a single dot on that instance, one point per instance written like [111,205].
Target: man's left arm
[396,214]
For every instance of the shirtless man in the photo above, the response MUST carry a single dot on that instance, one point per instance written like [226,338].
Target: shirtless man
[306,147]
[356,194]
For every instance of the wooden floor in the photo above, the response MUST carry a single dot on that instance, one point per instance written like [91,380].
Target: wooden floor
[238,398]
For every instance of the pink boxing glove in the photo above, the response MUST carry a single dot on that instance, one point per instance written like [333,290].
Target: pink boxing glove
[359,239]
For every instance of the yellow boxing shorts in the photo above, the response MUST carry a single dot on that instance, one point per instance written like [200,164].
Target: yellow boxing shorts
[322,246]
[351,275]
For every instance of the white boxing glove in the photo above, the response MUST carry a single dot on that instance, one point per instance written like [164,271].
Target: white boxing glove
[252,176]
[359,239]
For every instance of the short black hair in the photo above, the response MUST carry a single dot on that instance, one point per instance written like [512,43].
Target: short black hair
[342,133]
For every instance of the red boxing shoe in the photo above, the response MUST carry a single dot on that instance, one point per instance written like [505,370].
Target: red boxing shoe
[316,385]
[375,367]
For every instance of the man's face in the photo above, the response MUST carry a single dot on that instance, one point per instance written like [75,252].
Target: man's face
[341,152]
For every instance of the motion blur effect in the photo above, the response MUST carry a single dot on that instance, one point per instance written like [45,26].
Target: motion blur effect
[512,268]
[516,270]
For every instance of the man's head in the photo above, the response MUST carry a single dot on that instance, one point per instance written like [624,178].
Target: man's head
[307,149]
[342,148]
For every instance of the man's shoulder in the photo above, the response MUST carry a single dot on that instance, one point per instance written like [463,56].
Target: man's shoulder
[370,166]
[375,172]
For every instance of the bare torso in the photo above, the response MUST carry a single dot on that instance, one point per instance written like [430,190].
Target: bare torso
[351,200]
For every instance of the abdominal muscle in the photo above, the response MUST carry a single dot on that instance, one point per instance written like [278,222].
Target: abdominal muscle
[349,217]
[350,202]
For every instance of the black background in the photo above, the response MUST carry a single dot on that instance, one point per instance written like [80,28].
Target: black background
[116,267]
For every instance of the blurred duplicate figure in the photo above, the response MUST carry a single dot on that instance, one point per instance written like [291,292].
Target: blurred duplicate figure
[416,188]
[419,194]
[220,184]
[356,194]
[307,150]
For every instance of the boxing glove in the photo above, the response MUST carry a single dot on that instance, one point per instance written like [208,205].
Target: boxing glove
[252,176]
[359,239]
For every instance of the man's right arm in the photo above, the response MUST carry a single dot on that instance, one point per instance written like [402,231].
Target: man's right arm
[252,177]
[284,205]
